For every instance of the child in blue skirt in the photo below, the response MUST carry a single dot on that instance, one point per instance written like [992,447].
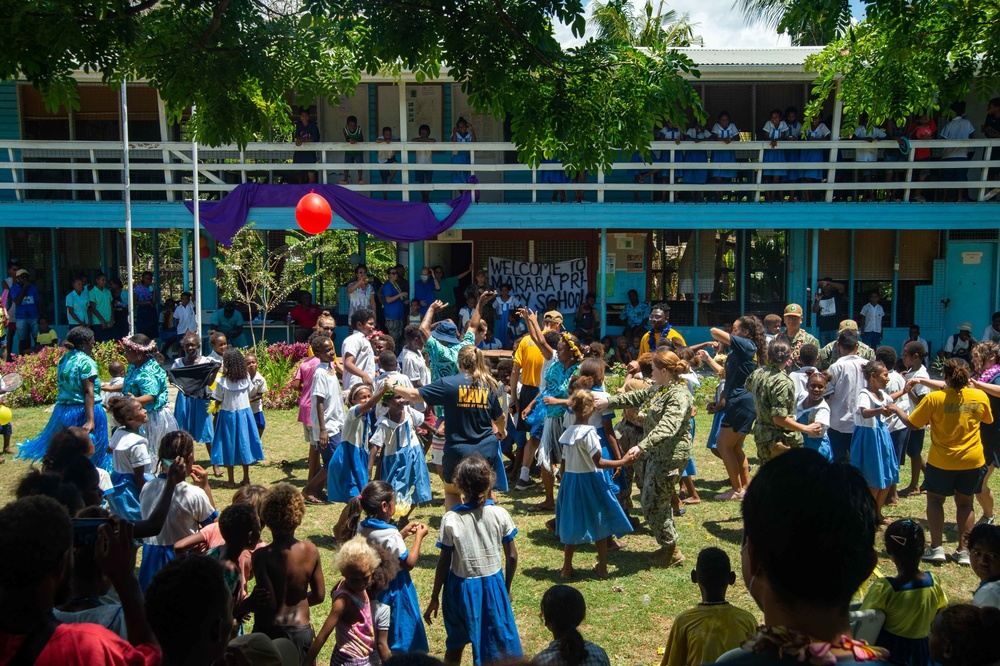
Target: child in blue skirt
[236,440]
[587,510]
[147,382]
[378,502]
[477,565]
[811,408]
[258,387]
[191,506]
[347,473]
[403,464]
[78,402]
[871,446]
[132,465]
[192,413]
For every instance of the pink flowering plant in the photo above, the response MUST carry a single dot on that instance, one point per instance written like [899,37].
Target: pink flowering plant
[39,374]
[277,363]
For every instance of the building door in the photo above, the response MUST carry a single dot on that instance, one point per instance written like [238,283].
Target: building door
[970,285]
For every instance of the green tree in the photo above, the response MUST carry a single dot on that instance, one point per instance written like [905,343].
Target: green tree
[910,58]
[236,61]
[616,22]
[806,22]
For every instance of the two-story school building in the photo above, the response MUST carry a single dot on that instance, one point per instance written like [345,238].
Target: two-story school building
[713,229]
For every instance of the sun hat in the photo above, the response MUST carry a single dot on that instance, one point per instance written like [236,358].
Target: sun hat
[22,272]
[793,309]
[553,315]
[847,325]
[446,332]
[966,326]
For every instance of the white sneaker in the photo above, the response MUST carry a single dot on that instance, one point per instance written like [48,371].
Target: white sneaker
[935,555]
[985,520]
[961,557]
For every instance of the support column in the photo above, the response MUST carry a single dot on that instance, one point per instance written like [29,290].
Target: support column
[185,258]
[404,132]
[362,247]
[602,281]
[850,284]
[697,262]
[156,260]
[895,277]
[57,312]
[814,278]
[838,116]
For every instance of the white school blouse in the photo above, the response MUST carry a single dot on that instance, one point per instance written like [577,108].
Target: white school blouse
[129,451]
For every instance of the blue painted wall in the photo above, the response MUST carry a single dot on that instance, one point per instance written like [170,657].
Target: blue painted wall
[10,130]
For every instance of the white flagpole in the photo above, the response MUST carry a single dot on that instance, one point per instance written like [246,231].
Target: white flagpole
[197,231]
[127,197]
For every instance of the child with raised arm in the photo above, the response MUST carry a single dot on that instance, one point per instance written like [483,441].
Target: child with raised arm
[702,634]
[587,510]
[347,473]
[288,569]
[476,568]
[378,502]
[350,608]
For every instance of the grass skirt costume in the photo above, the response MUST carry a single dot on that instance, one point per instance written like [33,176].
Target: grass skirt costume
[236,440]
[587,509]
[347,473]
[75,368]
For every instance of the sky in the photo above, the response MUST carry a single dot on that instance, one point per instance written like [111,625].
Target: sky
[717,23]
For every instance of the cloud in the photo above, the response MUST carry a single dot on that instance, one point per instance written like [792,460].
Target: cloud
[716,21]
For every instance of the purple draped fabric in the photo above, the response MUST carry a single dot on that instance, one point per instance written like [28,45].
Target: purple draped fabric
[400,221]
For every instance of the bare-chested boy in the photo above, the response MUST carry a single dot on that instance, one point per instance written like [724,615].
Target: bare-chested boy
[288,569]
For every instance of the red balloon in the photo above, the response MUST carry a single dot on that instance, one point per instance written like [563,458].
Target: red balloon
[204,253]
[313,213]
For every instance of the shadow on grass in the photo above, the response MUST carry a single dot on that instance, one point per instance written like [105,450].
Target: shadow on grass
[326,541]
[622,562]
[730,530]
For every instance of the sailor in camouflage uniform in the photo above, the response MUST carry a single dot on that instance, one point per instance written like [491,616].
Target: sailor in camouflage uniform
[665,445]
[793,322]
[830,353]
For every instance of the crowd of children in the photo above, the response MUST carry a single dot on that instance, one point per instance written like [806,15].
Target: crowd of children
[368,423]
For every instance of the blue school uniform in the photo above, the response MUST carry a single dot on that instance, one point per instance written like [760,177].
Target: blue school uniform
[347,473]
[814,155]
[192,413]
[871,446]
[130,451]
[190,510]
[807,416]
[720,156]
[475,603]
[713,433]
[74,368]
[404,465]
[696,176]
[406,626]
[775,154]
[236,440]
[586,508]
[462,157]
[690,469]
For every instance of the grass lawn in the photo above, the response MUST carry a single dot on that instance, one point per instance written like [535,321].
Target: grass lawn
[629,613]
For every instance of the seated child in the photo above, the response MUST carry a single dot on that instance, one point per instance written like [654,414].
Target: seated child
[563,610]
[288,569]
[704,633]
[350,608]
[984,554]
[46,336]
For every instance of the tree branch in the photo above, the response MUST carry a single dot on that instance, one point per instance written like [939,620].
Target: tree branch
[213,27]
[524,40]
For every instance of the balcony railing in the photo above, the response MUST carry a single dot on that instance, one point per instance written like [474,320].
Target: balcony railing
[86,170]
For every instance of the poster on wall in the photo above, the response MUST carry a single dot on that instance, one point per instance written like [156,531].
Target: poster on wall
[633,262]
[533,284]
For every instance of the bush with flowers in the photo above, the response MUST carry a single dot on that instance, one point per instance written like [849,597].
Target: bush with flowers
[277,364]
[39,374]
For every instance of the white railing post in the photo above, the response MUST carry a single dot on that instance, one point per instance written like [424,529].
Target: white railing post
[13,174]
[984,173]
[404,136]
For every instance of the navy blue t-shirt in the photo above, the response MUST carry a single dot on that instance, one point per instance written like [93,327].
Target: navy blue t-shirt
[739,364]
[990,432]
[469,411]
[28,307]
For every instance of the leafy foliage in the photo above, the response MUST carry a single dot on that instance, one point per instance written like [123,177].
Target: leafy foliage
[806,22]
[277,363]
[240,61]
[39,373]
[910,58]
[616,21]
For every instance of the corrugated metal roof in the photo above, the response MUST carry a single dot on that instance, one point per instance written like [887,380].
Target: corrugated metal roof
[787,56]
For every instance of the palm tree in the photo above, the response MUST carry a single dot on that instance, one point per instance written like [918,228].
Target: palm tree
[806,22]
[617,22]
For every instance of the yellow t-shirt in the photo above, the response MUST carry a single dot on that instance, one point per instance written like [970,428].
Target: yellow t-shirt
[704,633]
[46,338]
[910,609]
[954,419]
[672,334]
[529,357]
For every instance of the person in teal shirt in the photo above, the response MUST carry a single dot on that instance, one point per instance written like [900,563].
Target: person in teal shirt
[101,318]
[77,304]
[228,321]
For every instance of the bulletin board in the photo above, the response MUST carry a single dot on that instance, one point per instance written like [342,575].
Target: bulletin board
[627,266]
[333,118]
[424,106]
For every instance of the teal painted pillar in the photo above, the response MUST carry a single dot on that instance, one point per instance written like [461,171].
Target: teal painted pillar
[209,288]
[57,312]
[362,247]
[602,280]
[185,259]
[895,277]
[156,261]
[795,262]
[814,279]
[697,263]
[850,286]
